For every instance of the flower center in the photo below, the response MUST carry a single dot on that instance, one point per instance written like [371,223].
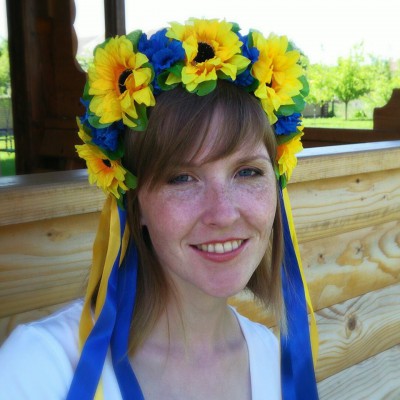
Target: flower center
[122,79]
[107,163]
[204,52]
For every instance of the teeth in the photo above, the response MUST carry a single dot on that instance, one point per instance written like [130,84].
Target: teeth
[220,248]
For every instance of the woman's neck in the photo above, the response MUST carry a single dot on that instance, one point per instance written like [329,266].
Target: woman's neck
[196,324]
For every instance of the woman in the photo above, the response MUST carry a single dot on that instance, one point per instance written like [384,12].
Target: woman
[178,133]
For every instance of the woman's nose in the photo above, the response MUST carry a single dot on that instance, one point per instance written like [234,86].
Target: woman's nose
[220,208]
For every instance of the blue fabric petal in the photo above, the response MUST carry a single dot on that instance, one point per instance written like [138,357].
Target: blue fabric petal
[162,52]
[287,125]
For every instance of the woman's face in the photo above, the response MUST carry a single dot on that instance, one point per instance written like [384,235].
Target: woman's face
[210,223]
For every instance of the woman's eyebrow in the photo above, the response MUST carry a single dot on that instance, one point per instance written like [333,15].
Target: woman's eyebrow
[241,160]
[256,157]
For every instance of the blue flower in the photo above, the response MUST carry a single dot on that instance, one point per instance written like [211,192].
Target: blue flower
[107,138]
[161,51]
[287,125]
[252,53]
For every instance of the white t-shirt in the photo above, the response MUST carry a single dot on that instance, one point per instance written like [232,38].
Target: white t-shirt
[38,360]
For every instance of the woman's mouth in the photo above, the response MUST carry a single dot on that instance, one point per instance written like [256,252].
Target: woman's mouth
[220,247]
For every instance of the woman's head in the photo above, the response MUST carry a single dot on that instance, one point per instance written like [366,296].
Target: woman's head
[180,126]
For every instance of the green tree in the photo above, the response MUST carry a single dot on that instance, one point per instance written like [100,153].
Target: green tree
[380,76]
[4,68]
[352,77]
[321,79]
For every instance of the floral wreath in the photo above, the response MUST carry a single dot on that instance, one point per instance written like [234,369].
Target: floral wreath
[129,71]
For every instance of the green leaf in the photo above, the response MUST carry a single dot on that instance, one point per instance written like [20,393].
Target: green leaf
[130,180]
[235,27]
[283,181]
[94,120]
[86,96]
[134,38]
[176,69]
[280,139]
[298,106]
[161,78]
[306,87]
[120,201]
[205,88]
[142,120]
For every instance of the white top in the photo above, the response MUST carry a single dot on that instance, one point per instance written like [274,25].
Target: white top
[38,360]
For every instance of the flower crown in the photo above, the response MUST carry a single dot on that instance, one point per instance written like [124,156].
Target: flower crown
[129,71]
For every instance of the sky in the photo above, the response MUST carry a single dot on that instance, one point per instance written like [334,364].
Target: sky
[323,30]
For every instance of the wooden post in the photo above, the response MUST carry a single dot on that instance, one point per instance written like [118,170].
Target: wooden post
[114,14]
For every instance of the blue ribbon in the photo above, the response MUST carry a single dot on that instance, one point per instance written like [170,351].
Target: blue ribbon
[297,369]
[116,314]
[128,383]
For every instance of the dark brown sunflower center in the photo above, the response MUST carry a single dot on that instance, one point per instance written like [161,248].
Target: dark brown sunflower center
[107,163]
[204,52]
[122,79]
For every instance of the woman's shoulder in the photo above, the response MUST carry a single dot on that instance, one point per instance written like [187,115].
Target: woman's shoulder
[256,332]
[40,357]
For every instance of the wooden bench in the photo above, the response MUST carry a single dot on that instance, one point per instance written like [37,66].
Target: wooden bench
[346,205]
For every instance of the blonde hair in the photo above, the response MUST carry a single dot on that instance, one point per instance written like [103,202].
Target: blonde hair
[178,126]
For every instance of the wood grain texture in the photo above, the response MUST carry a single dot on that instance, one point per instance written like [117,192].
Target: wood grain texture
[357,329]
[350,159]
[45,262]
[25,198]
[345,266]
[377,378]
[332,206]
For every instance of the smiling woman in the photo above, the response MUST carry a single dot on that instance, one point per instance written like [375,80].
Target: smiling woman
[191,133]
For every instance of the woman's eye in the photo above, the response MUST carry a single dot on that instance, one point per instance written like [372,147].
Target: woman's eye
[183,178]
[249,172]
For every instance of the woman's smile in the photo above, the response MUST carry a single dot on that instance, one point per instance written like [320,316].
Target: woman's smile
[222,247]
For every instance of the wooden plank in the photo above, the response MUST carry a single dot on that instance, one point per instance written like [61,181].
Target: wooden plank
[345,266]
[352,159]
[48,195]
[357,329]
[386,118]
[329,207]
[339,136]
[45,262]
[9,323]
[377,378]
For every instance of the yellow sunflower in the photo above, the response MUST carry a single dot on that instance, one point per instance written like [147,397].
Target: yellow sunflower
[286,155]
[277,71]
[210,46]
[117,82]
[108,174]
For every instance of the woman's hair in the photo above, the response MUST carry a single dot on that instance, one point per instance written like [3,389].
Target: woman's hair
[178,126]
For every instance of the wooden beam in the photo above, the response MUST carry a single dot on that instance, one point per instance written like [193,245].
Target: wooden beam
[357,329]
[45,262]
[114,13]
[377,378]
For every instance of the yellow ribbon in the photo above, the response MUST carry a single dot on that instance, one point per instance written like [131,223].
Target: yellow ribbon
[313,322]
[105,250]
